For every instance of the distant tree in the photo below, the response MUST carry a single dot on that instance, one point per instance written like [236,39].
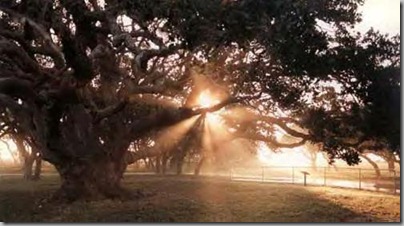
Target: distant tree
[83,80]
[311,151]
[29,156]
[25,156]
[373,164]
[390,157]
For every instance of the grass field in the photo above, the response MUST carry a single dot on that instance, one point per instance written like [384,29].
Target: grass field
[190,199]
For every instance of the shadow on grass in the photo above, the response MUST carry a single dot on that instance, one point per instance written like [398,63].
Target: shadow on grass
[179,199]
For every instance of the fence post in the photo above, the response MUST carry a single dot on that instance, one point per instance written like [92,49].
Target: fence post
[325,175]
[360,179]
[305,175]
[293,175]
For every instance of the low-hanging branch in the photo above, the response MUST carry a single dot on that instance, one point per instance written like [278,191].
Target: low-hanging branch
[171,116]
[283,125]
[271,141]
[15,87]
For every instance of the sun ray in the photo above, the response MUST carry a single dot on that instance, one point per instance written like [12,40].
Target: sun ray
[171,136]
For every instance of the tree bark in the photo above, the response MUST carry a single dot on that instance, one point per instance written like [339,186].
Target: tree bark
[89,180]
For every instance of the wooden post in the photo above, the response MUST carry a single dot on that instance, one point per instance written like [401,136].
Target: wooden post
[305,175]
[360,178]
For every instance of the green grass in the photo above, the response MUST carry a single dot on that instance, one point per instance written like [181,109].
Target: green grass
[190,199]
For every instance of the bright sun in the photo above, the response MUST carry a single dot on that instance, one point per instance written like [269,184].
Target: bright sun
[206,100]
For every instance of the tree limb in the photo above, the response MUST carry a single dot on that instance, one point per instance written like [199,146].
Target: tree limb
[16,87]
[172,116]
[21,57]
[281,122]
[110,110]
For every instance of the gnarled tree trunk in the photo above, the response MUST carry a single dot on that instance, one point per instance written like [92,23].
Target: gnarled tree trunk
[89,180]
[87,168]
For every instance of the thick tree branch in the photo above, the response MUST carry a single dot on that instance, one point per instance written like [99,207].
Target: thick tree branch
[271,141]
[21,57]
[145,55]
[157,89]
[109,111]
[170,117]
[49,48]
[17,88]
[282,123]
[267,139]
[8,102]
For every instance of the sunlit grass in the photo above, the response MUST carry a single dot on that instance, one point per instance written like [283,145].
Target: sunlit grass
[190,199]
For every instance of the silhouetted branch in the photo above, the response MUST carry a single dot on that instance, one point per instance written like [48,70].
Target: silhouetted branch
[271,141]
[109,111]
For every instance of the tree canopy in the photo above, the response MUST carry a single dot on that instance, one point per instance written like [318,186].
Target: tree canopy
[82,80]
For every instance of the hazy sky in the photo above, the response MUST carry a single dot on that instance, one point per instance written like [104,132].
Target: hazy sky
[383,15]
